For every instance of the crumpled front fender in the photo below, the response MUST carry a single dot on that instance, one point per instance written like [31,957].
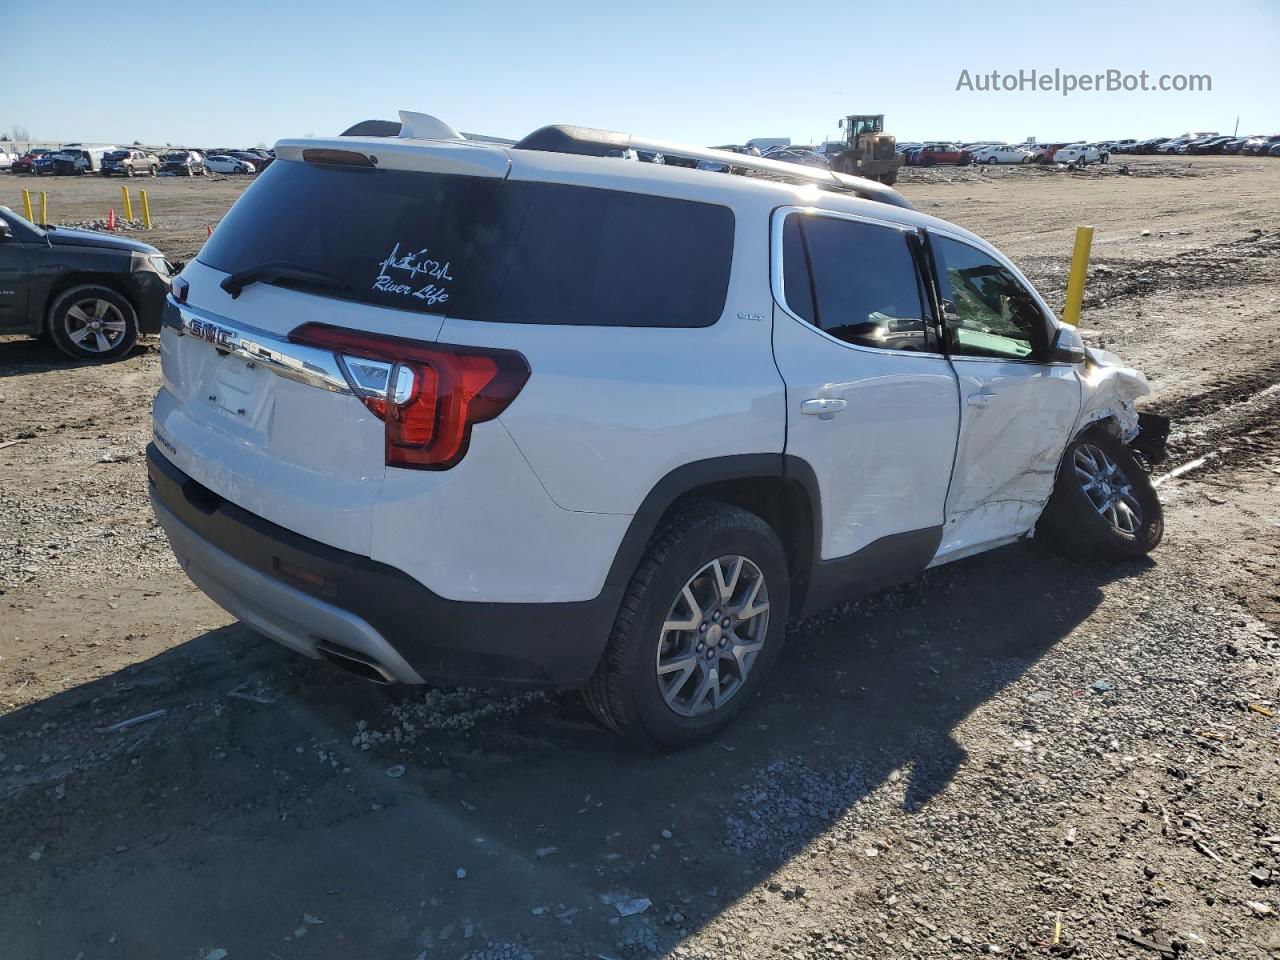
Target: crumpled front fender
[1110,392]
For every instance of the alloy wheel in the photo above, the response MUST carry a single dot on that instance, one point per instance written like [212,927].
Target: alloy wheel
[712,636]
[1107,488]
[95,325]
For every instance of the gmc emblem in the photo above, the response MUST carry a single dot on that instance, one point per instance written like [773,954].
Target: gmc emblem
[221,337]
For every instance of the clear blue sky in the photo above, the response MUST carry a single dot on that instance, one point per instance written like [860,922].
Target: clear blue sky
[236,72]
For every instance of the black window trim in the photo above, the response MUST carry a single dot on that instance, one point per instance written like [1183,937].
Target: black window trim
[778,285]
[1050,320]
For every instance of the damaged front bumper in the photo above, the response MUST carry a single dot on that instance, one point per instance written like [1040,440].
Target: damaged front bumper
[1111,392]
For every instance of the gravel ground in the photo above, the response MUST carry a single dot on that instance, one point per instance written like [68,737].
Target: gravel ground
[1014,756]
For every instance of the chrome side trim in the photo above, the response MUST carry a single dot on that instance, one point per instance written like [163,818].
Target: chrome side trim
[292,361]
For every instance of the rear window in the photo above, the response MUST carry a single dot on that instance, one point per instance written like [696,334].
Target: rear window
[484,249]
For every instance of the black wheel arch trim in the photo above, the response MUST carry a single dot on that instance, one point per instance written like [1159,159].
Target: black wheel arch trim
[690,477]
[822,584]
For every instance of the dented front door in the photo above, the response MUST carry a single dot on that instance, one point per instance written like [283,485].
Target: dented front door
[1017,410]
[1015,420]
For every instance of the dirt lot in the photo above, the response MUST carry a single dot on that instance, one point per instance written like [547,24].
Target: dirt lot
[1013,750]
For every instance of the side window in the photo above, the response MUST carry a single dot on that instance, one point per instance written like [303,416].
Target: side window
[565,254]
[861,282]
[986,310]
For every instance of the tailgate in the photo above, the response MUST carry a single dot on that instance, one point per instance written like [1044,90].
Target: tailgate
[269,425]
[274,426]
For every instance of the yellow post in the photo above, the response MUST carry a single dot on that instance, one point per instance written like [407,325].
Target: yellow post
[44,208]
[1075,282]
[128,204]
[146,209]
[26,205]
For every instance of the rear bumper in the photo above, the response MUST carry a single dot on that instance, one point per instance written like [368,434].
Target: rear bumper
[306,594]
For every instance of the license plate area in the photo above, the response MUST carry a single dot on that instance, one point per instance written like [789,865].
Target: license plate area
[239,389]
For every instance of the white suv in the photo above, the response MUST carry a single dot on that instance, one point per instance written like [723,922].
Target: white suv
[456,412]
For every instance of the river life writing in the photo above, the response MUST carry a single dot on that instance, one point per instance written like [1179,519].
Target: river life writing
[415,264]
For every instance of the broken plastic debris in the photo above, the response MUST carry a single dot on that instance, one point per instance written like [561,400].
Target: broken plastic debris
[629,908]
[260,693]
[134,721]
[1101,686]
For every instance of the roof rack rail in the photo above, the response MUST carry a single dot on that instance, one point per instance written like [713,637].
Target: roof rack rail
[565,138]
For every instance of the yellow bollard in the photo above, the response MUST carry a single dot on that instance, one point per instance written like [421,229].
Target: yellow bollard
[128,204]
[1075,282]
[44,208]
[146,209]
[26,205]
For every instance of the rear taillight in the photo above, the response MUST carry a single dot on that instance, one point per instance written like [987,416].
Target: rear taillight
[428,395]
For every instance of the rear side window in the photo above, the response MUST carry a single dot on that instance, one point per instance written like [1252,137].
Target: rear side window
[484,249]
[564,254]
[861,285]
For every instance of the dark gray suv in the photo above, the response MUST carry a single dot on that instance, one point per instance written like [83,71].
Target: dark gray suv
[91,293]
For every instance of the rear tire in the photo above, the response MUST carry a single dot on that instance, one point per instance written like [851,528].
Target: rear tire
[75,311]
[1103,504]
[659,682]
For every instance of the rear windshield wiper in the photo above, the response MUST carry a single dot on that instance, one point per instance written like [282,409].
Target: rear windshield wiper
[272,272]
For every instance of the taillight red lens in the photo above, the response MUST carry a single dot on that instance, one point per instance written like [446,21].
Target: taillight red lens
[434,392]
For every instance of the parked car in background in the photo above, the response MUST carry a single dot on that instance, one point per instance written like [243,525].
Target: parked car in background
[1045,152]
[27,162]
[806,156]
[7,159]
[258,163]
[932,154]
[716,166]
[1002,154]
[74,161]
[1258,146]
[1123,146]
[540,485]
[42,164]
[1079,155]
[1208,145]
[90,293]
[1149,146]
[223,163]
[185,163]
[129,163]
[1274,150]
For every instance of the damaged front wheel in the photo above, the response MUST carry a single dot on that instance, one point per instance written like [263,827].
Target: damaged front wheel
[1103,504]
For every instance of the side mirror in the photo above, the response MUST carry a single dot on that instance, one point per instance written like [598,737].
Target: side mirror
[1066,347]
[6,231]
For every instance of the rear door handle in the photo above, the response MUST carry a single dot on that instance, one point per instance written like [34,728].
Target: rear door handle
[826,405]
[981,398]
